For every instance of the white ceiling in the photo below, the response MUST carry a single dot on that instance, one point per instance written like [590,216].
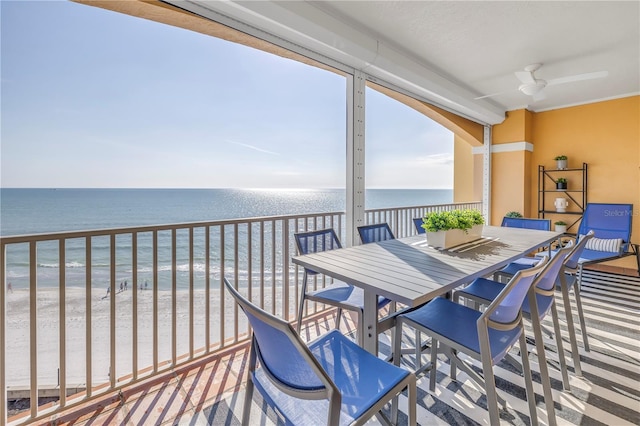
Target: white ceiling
[451,52]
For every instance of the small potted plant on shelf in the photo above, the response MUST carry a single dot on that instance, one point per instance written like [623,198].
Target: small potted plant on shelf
[451,228]
[560,226]
[561,184]
[561,162]
[513,214]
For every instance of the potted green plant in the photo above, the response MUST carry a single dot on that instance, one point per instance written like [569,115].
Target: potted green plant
[450,228]
[561,162]
[560,226]
[561,184]
[513,214]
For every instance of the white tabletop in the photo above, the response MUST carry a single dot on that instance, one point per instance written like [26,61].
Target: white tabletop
[411,272]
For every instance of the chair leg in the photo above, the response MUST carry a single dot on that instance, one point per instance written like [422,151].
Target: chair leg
[544,369]
[434,364]
[490,388]
[397,344]
[338,317]
[560,346]
[302,299]
[570,328]
[528,381]
[360,328]
[412,397]
[248,396]
[583,327]
[418,339]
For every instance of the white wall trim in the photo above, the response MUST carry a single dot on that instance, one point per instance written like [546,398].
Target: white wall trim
[506,147]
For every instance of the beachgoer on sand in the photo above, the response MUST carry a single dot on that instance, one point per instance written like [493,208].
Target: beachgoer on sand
[121,286]
[9,287]
[126,285]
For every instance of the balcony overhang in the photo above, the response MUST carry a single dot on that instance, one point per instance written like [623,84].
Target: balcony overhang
[314,30]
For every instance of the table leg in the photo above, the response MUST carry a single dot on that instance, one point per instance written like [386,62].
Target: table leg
[370,322]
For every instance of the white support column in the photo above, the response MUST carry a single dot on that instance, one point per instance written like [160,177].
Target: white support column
[355,155]
[486,175]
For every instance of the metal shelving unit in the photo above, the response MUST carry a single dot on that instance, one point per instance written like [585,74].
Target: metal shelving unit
[576,192]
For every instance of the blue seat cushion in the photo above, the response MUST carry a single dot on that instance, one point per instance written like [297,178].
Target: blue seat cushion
[458,324]
[588,255]
[488,290]
[361,378]
[482,289]
[520,264]
[346,294]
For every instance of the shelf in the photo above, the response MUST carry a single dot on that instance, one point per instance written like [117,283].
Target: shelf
[577,197]
[563,170]
[555,212]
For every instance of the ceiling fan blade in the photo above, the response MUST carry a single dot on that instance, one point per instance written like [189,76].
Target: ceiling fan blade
[488,96]
[525,77]
[539,96]
[577,77]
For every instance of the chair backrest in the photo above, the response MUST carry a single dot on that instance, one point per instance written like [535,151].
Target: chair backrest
[417,222]
[573,259]
[546,279]
[375,233]
[506,307]
[608,221]
[285,358]
[521,222]
[316,241]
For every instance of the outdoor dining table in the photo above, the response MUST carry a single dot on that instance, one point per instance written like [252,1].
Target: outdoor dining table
[410,272]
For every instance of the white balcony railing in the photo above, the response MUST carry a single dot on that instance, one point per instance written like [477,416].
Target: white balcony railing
[173,309]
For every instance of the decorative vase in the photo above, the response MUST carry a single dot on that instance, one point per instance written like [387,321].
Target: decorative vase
[561,204]
[453,237]
[561,164]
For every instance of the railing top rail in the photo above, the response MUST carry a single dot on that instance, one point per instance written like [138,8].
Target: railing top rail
[422,206]
[12,239]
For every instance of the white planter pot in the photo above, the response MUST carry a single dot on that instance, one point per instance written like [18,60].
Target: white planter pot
[561,228]
[453,237]
[561,164]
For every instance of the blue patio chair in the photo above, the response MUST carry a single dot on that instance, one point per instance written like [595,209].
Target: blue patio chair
[484,291]
[339,294]
[525,262]
[375,233]
[417,222]
[526,223]
[486,336]
[611,224]
[569,279]
[331,381]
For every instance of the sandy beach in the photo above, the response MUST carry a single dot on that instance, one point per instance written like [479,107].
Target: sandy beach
[48,325]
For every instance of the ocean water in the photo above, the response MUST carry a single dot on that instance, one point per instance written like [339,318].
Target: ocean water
[32,211]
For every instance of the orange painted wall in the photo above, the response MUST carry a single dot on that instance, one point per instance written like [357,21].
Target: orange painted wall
[515,128]
[463,171]
[606,136]
[509,180]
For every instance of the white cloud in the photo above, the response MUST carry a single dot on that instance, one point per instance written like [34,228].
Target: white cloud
[253,147]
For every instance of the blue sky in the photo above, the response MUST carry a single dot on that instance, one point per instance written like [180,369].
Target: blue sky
[92,98]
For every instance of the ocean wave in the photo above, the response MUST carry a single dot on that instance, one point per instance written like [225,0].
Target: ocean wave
[56,265]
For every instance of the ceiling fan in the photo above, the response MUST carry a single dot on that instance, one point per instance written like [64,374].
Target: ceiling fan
[534,87]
